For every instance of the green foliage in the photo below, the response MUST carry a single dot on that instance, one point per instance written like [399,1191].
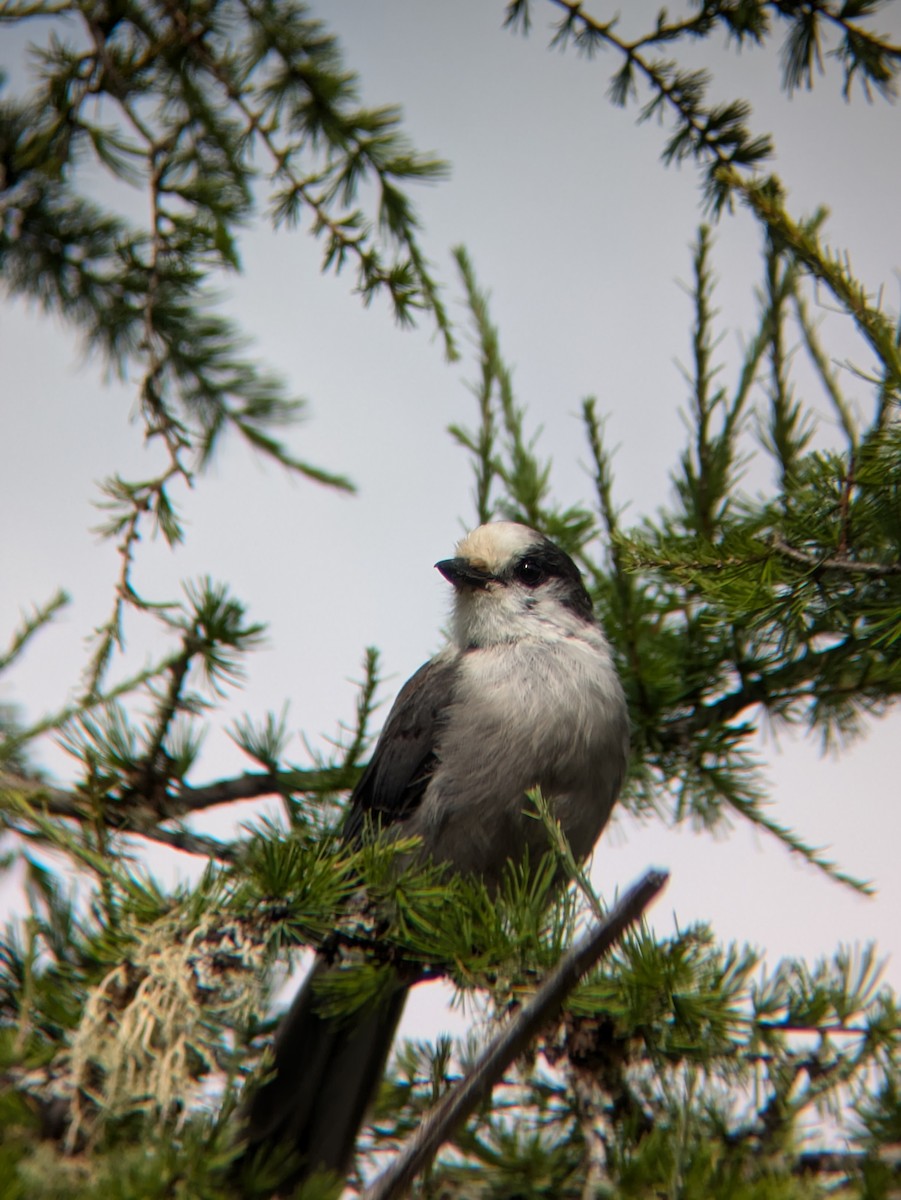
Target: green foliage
[512,481]
[131,1014]
[208,112]
[717,136]
[725,607]
[680,1069]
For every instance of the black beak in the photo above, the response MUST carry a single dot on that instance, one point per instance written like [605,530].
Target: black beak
[462,573]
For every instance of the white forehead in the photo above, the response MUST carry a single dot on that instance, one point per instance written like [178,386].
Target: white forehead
[493,547]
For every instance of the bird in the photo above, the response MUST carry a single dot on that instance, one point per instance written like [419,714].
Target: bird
[525,695]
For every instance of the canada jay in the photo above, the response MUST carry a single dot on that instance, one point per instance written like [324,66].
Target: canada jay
[524,696]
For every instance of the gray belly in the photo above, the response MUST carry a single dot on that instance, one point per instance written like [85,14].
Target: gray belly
[482,843]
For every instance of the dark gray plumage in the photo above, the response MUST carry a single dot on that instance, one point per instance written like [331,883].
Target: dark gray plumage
[525,696]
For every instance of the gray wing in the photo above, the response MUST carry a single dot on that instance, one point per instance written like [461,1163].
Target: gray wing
[394,782]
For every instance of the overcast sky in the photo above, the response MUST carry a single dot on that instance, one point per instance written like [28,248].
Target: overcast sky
[582,236]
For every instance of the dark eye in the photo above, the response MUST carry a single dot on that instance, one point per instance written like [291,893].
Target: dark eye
[529,573]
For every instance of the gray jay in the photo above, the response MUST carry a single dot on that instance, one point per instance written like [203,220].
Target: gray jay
[524,696]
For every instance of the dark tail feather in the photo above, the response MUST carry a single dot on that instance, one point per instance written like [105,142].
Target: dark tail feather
[326,1071]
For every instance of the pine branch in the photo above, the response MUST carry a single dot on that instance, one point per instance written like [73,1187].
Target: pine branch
[829,1162]
[801,239]
[799,846]
[57,720]
[191,843]
[457,1104]
[624,582]
[709,466]
[504,454]
[40,616]
[182,799]
[715,135]
[780,682]
[130,504]
[833,563]
[828,376]
[189,91]
[344,236]
[483,444]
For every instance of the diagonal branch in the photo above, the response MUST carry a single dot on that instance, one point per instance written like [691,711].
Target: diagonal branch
[456,1105]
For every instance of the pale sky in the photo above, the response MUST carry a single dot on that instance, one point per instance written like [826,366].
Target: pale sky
[582,237]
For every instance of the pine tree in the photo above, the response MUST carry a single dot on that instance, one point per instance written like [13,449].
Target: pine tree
[130,1015]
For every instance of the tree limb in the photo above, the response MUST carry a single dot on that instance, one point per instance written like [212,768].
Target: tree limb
[849,565]
[456,1105]
[18,791]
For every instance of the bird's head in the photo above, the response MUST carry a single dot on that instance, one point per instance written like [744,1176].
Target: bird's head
[511,582]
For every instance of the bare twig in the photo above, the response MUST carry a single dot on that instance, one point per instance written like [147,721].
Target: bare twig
[850,565]
[191,843]
[829,1162]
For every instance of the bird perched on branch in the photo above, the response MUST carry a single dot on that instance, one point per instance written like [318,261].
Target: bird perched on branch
[525,696]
